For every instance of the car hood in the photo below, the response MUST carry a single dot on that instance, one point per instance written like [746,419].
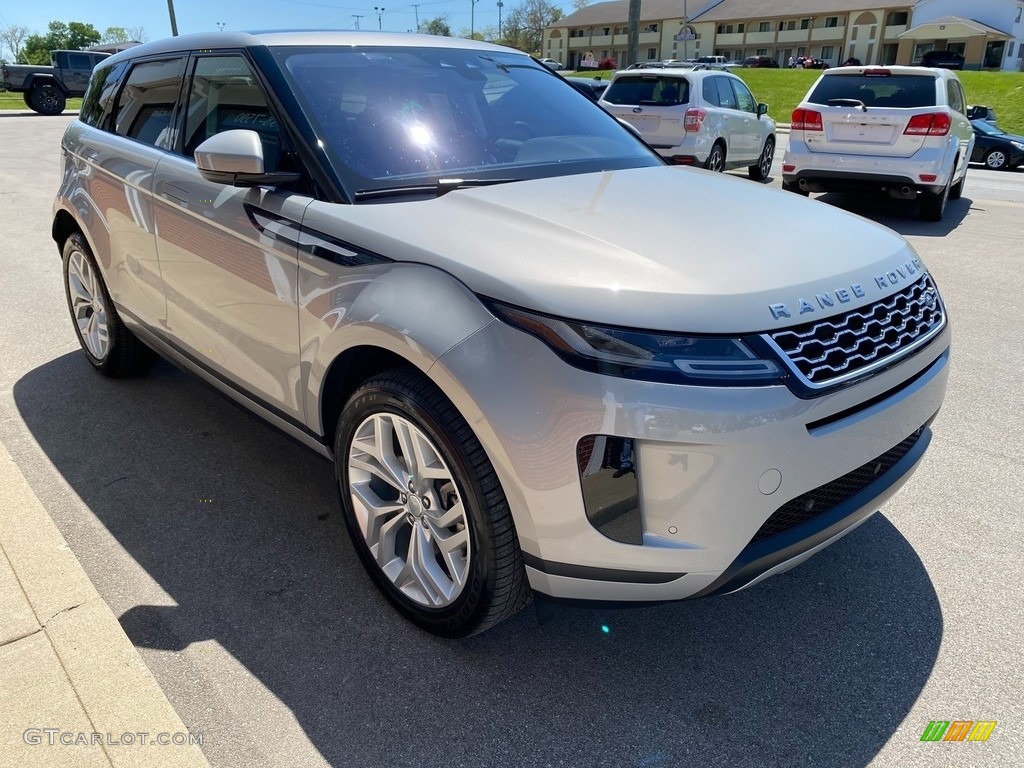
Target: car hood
[663,248]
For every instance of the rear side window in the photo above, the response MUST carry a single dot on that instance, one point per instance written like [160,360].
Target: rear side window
[955,96]
[145,107]
[652,90]
[224,96]
[900,91]
[99,96]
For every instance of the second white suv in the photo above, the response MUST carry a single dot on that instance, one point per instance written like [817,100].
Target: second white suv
[901,130]
[705,117]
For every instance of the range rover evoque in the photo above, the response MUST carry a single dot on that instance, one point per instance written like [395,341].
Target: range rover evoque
[434,262]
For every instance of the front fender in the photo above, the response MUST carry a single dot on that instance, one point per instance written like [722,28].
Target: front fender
[411,310]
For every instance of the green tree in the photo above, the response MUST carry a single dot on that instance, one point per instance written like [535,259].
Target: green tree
[73,36]
[525,26]
[115,35]
[438,26]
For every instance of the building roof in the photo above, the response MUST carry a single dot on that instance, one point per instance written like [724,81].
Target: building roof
[617,12]
[958,25]
[733,10]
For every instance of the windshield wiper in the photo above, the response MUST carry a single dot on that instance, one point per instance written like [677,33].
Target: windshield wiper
[438,188]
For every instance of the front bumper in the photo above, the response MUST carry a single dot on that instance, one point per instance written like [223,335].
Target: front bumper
[702,456]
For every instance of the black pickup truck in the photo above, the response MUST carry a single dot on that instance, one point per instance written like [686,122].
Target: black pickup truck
[47,89]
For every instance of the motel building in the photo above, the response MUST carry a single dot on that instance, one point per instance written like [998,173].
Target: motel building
[989,34]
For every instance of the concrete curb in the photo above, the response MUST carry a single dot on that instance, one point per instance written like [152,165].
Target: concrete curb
[75,690]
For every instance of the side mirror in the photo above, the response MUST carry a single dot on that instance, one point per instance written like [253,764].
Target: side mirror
[236,158]
[762,109]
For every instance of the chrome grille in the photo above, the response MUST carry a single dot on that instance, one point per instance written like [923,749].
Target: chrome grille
[840,348]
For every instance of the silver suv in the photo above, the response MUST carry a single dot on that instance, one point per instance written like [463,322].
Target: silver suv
[696,117]
[435,263]
[900,130]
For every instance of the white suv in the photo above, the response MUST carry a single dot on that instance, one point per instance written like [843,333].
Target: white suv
[901,130]
[707,118]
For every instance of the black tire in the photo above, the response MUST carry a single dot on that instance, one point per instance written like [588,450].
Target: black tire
[495,586]
[933,204]
[795,188]
[762,169]
[716,158]
[957,190]
[47,99]
[27,97]
[996,160]
[125,355]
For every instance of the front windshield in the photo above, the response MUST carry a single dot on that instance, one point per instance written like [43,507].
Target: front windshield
[393,117]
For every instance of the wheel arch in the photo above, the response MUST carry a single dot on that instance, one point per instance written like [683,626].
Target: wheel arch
[45,80]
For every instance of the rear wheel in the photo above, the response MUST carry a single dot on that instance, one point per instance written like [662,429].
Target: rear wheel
[763,168]
[793,187]
[716,160]
[109,347]
[424,507]
[995,159]
[957,190]
[47,99]
[933,204]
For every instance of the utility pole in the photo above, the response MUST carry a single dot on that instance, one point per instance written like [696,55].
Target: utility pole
[472,9]
[416,7]
[357,17]
[500,4]
[174,22]
[633,34]
[380,13]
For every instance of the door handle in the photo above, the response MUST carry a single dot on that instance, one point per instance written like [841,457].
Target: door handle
[175,193]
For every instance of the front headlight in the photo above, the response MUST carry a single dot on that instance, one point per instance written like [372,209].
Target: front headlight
[647,355]
[1017,144]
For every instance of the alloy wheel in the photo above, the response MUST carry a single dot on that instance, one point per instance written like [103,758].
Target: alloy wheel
[995,159]
[766,159]
[88,306]
[716,160]
[409,509]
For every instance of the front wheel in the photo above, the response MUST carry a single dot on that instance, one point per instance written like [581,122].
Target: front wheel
[424,508]
[47,99]
[763,168]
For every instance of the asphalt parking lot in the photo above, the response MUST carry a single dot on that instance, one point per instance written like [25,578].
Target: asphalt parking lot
[216,541]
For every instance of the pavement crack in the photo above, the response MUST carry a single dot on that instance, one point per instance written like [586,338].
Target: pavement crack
[61,612]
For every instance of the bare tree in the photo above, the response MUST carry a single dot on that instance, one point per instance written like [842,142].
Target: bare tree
[138,34]
[579,5]
[12,38]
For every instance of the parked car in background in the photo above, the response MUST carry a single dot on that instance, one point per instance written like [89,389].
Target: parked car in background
[942,60]
[646,65]
[551,64]
[898,130]
[760,61]
[542,361]
[592,87]
[47,89]
[995,148]
[700,117]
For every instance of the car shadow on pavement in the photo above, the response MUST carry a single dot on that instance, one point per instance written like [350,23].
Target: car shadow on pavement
[900,215]
[237,523]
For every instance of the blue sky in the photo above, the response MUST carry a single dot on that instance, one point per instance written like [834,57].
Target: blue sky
[200,16]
